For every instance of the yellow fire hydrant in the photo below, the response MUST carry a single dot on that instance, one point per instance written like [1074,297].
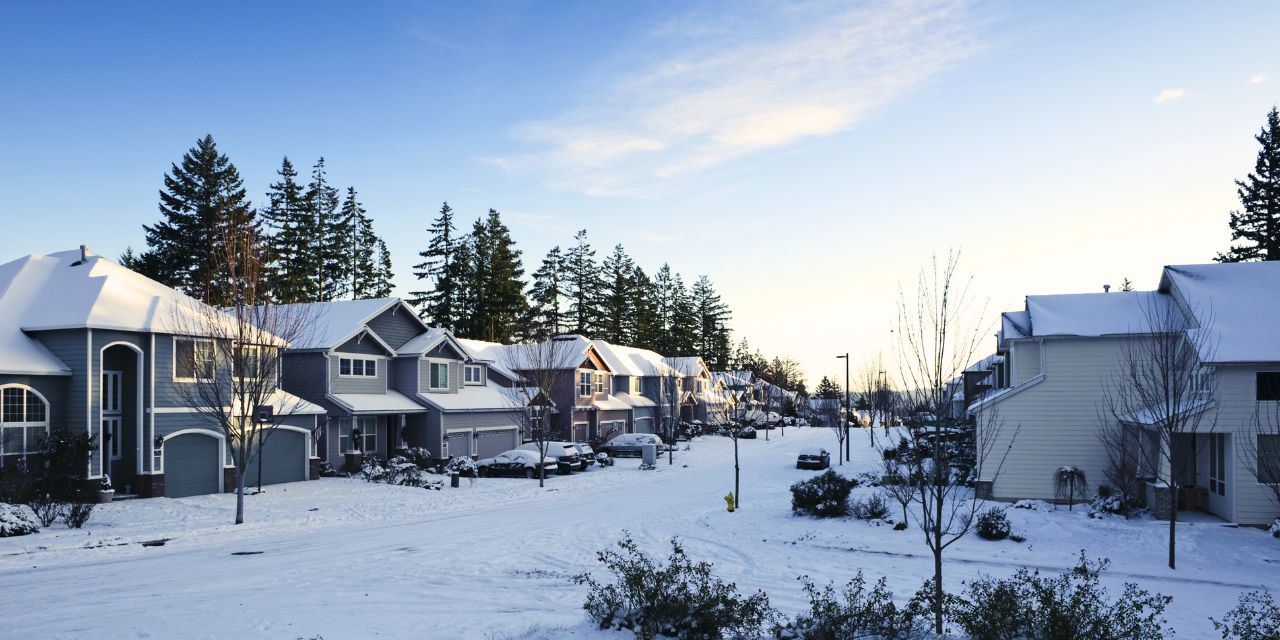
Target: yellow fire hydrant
[728,500]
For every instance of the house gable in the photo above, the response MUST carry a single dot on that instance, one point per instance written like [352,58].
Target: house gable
[396,325]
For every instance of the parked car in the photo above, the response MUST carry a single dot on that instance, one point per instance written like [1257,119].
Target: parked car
[565,453]
[517,462]
[813,458]
[630,444]
[586,455]
[747,433]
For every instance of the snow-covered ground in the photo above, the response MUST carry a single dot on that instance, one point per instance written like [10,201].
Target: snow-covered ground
[343,558]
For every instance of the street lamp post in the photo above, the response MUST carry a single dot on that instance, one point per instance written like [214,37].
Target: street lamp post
[845,357]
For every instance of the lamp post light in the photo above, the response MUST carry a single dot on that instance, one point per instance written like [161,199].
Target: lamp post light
[845,357]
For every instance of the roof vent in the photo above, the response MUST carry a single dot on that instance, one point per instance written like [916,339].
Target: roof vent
[84,256]
[1106,288]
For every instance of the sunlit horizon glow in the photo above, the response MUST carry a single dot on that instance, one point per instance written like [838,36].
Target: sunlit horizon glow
[809,158]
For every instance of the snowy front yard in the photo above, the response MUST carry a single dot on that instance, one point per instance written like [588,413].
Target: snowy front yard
[344,558]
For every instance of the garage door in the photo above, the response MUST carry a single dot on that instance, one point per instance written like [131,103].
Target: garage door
[644,425]
[493,442]
[283,459]
[191,465]
[458,443]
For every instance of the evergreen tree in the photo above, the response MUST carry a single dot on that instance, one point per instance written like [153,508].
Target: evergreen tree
[664,295]
[643,305]
[368,263]
[331,236]
[582,275]
[440,305]
[1126,285]
[617,298]
[545,317]
[203,199]
[712,314]
[497,282]
[289,238]
[684,328]
[1258,223]
[828,388]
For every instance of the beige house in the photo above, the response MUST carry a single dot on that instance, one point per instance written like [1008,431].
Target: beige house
[1055,356]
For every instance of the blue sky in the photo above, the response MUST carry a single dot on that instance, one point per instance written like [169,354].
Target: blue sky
[808,157]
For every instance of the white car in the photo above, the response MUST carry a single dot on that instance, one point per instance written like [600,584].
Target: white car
[516,462]
[630,444]
[565,453]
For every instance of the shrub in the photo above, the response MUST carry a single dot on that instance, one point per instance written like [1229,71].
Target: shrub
[15,520]
[823,496]
[421,457]
[873,507]
[680,599]
[398,471]
[462,466]
[1256,617]
[857,613]
[58,488]
[993,524]
[1274,529]
[77,513]
[1071,605]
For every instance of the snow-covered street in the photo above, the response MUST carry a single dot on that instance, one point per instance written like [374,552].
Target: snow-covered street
[342,558]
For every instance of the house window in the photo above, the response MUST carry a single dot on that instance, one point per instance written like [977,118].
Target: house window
[246,363]
[1218,463]
[1268,385]
[113,433]
[473,374]
[110,392]
[535,424]
[192,359]
[599,382]
[637,386]
[368,427]
[438,375]
[584,383]
[357,367]
[24,419]
[1268,458]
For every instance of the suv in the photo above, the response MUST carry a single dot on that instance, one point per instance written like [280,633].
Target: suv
[586,454]
[813,458]
[630,444]
[565,453]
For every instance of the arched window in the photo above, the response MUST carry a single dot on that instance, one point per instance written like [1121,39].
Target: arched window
[24,419]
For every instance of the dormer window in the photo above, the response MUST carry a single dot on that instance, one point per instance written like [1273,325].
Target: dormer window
[473,374]
[438,373]
[637,386]
[599,383]
[584,383]
[357,367]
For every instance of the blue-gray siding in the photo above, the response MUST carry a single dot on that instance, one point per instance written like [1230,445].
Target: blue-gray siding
[396,326]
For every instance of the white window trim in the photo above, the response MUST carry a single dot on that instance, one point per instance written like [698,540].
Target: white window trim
[116,449]
[431,364]
[113,381]
[466,374]
[637,387]
[174,357]
[24,425]
[590,385]
[366,359]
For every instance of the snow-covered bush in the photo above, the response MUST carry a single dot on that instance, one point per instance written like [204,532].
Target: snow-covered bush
[858,612]
[993,524]
[16,520]
[873,507]
[676,599]
[1274,529]
[1111,502]
[462,466]
[1031,505]
[1071,605]
[823,496]
[398,471]
[77,513]
[1256,617]
[421,456]
[371,469]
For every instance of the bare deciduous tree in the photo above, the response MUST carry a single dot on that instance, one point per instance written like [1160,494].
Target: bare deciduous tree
[939,329]
[1160,392]
[543,368]
[234,356]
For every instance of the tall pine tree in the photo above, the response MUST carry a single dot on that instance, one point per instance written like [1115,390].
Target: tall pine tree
[368,263]
[684,329]
[712,323]
[617,298]
[441,304]
[289,238]
[497,282]
[327,263]
[545,317]
[202,200]
[1258,221]
[646,324]
[582,275]
[664,297]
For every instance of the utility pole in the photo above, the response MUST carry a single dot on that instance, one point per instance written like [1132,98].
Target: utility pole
[845,357]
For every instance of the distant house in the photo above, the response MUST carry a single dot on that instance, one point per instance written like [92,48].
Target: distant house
[696,383]
[585,407]
[88,346]
[1054,355]
[639,379]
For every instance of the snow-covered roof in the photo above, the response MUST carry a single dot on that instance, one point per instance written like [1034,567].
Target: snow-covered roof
[494,354]
[337,321]
[611,403]
[690,366]
[632,361]
[480,398]
[59,291]
[635,401]
[389,402]
[1093,315]
[1151,415]
[286,403]
[1237,302]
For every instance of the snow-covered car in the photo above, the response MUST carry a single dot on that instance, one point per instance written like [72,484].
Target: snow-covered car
[586,455]
[630,444]
[747,433]
[517,462]
[565,453]
[813,458]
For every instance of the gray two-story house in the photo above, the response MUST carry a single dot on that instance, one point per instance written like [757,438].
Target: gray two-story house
[88,346]
[637,381]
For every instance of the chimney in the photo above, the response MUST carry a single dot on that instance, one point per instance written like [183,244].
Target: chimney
[84,252]
[1106,288]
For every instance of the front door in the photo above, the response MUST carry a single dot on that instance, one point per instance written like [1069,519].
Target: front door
[112,434]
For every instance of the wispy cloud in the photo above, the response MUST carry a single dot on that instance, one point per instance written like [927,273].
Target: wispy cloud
[1168,95]
[426,37]
[1258,78]
[746,79]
